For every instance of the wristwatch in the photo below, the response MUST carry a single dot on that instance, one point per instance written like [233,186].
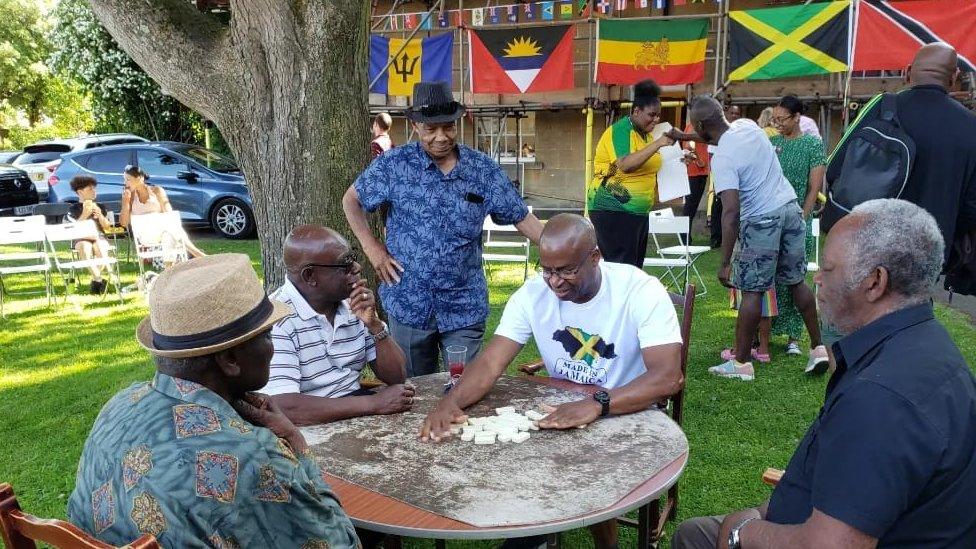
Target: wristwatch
[603,398]
[382,334]
[734,541]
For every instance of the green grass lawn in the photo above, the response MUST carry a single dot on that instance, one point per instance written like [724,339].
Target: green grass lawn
[59,366]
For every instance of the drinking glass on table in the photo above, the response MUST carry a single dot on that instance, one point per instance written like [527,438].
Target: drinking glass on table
[456,356]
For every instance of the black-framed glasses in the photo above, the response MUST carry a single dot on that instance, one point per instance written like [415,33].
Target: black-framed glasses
[350,265]
[781,119]
[565,273]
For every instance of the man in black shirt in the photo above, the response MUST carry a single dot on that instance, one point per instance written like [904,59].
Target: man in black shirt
[890,460]
[943,179]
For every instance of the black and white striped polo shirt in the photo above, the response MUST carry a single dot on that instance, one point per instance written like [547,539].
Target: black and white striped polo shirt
[313,358]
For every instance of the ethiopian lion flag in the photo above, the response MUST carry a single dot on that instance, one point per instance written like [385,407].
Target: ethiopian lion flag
[788,41]
[670,52]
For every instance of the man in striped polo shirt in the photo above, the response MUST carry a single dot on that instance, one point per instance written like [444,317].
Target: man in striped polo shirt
[321,349]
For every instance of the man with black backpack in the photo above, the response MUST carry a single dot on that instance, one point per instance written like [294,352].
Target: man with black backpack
[918,145]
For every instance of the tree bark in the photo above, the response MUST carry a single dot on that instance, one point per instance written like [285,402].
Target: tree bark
[285,82]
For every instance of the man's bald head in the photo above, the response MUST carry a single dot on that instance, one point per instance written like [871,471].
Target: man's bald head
[705,109]
[566,232]
[305,241]
[934,64]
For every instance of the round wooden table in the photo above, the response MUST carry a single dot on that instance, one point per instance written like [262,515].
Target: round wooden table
[375,511]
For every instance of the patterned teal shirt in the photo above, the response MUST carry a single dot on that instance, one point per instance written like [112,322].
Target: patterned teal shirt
[173,459]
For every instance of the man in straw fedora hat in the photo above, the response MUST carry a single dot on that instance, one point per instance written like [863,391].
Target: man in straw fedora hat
[194,457]
[439,194]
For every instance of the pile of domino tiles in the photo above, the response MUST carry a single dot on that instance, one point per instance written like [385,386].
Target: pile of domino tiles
[507,426]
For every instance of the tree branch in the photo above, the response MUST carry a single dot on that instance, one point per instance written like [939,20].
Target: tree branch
[182,49]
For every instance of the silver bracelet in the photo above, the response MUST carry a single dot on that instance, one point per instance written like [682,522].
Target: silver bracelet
[382,334]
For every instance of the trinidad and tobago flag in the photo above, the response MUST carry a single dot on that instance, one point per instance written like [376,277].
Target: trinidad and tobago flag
[522,60]
[889,33]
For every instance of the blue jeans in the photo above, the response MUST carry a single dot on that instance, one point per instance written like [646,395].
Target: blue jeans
[422,345]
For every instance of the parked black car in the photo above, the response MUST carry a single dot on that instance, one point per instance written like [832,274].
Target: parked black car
[18,196]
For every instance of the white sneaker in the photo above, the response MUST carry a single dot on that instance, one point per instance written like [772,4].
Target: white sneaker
[818,362]
[793,348]
[733,370]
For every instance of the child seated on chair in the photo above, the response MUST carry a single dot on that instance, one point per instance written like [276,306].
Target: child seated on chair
[760,349]
[85,209]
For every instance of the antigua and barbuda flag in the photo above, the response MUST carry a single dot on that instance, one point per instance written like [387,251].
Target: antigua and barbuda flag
[522,60]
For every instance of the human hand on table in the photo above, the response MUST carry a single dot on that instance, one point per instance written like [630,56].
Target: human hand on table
[572,414]
[437,424]
[262,411]
[393,399]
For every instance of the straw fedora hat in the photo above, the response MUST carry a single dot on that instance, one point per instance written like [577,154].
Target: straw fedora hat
[207,305]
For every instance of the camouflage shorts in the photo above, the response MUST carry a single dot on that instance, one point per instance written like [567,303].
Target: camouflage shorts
[771,248]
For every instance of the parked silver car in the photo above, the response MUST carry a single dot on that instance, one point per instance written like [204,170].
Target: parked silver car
[41,159]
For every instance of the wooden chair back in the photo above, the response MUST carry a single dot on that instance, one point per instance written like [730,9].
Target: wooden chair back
[21,530]
[686,304]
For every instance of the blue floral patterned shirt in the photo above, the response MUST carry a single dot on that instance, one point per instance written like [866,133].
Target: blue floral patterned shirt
[434,230]
[173,459]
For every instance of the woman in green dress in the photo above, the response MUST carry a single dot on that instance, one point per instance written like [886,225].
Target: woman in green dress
[803,160]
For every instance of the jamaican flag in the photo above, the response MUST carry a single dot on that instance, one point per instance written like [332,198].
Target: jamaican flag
[788,41]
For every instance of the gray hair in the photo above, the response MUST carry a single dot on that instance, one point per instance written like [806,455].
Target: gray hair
[904,239]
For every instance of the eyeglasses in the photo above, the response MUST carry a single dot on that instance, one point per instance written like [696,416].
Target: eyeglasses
[350,265]
[781,119]
[438,109]
[565,273]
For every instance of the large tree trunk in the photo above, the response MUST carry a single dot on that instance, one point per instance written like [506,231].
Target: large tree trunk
[285,83]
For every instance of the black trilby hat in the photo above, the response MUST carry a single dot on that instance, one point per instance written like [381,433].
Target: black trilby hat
[433,103]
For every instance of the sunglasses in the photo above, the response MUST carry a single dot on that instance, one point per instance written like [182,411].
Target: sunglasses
[350,265]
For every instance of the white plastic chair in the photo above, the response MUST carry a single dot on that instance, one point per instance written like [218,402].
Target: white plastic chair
[814,266]
[61,239]
[510,239]
[157,237]
[22,238]
[679,259]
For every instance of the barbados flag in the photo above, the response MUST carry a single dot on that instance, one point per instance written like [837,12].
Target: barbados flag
[422,60]
[522,60]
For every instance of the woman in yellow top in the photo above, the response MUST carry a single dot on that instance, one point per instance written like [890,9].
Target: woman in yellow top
[624,185]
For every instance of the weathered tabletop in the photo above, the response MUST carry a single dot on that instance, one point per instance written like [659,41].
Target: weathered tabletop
[389,481]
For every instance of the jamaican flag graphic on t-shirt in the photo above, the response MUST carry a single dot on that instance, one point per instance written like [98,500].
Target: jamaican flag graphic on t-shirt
[613,190]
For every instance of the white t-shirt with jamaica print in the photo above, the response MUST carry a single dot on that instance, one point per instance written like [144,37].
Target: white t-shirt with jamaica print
[598,342]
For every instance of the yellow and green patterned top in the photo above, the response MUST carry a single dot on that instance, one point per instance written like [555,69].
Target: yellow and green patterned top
[611,189]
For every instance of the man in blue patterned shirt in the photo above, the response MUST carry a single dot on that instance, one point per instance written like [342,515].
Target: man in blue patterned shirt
[439,193]
[193,457]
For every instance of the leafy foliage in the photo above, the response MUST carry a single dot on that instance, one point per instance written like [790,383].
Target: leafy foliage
[124,98]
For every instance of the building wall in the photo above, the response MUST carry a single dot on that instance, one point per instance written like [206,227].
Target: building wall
[557,177]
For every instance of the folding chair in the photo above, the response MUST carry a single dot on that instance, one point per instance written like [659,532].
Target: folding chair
[511,240]
[680,258]
[25,237]
[20,530]
[157,238]
[61,239]
[652,518]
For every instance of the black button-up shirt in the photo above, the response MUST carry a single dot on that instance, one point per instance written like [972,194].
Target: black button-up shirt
[893,451]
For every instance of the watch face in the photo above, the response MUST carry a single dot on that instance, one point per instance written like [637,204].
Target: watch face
[602,397]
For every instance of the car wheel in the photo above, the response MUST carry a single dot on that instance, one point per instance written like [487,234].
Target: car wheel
[232,218]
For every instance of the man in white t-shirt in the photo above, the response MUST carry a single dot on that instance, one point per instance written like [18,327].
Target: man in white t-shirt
[595,323]
[763,231]
[321,349]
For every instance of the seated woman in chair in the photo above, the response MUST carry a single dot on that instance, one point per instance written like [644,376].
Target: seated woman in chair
[140,198]
[85,209]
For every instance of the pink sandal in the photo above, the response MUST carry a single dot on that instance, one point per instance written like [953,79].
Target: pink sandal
[728,354]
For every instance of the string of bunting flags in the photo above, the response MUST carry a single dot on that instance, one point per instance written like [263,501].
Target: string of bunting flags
[530,12]
[766,43]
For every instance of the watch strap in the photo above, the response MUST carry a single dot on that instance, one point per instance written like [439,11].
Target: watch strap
[382,334]
[735,541]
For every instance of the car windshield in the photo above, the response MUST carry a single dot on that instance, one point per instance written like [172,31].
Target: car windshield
[214,161]
[38,157]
